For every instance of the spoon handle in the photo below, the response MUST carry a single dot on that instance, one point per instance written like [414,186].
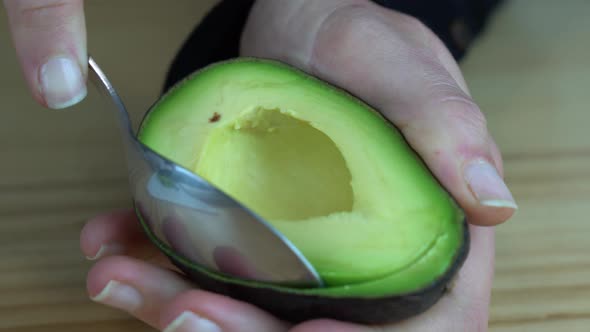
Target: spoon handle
[102,83]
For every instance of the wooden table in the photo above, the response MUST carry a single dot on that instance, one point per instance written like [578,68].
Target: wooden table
[530,73]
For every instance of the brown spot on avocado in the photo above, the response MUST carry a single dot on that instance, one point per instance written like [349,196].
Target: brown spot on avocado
[216,116]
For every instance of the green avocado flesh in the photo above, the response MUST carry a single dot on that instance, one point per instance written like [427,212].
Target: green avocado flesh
[330,173]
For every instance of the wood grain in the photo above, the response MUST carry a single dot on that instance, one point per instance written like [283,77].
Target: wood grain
[530,73]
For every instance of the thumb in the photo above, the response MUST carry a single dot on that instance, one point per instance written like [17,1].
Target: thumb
[50,41]
[414,85]
[392,62]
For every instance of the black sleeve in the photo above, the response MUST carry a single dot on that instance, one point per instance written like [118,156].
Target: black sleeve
[456,22]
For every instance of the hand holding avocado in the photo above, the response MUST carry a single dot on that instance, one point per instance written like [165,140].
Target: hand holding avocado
[389,60]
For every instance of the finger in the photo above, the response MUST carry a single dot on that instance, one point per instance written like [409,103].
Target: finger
[50,41]
[134,286]
[387,59]
[198,310]
[463,308]
[441,122]
[448,62]
[115,233]
[444,56]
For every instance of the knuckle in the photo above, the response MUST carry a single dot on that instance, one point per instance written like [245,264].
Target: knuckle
[368,25]
[457,107]
[466,113]
[359,18]
[350,25]
[412,23]
[413,30]
[346,36]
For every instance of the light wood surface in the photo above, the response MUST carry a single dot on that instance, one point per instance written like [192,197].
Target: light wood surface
[530,73]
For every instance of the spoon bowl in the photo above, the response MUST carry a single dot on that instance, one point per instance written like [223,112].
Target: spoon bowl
[194,219]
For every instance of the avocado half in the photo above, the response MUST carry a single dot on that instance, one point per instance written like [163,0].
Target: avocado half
[330,173]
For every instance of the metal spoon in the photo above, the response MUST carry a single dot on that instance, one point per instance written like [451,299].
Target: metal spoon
[197,220]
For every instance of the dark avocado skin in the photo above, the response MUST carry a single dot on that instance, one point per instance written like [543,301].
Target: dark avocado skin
[297,308]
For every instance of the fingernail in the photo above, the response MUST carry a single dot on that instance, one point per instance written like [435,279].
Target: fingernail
[107,250]
[62,84]
[120,296]
[190,322]
[487,186]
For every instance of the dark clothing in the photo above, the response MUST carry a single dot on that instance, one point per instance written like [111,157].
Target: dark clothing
[216,38]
